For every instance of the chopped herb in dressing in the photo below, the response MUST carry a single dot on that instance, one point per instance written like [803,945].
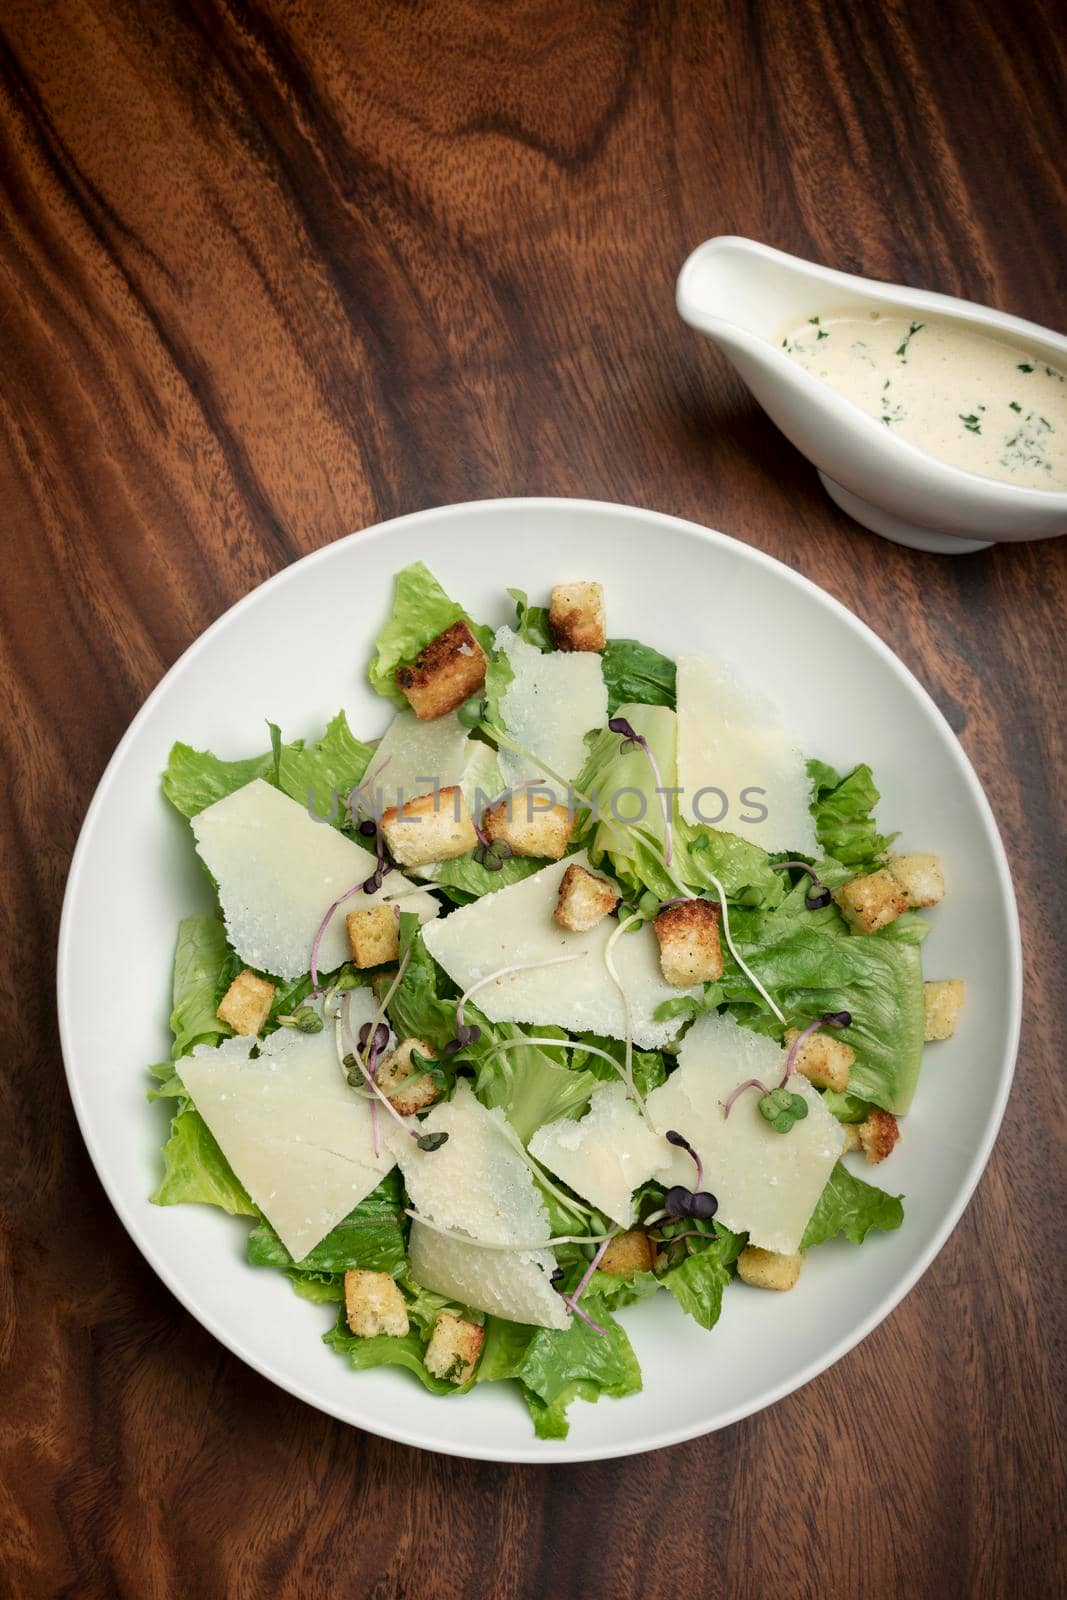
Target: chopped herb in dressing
[926,390]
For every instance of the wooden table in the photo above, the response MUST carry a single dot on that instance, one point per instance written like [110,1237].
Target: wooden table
[271,273]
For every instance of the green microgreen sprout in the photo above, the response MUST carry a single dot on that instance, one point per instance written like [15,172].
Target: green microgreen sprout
[781,1108]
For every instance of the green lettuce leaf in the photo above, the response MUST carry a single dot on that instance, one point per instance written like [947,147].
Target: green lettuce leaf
[635,672]
[371,1236]
[421,610]
[811,964]
[196,1171]
[528,1085]
[387,1351]
[204,968]
[848,1205]
[556,1366]
[635,853]
[697,1282]
[843,809]
[195,778]
[649,1067]
[322,775]
[463,880]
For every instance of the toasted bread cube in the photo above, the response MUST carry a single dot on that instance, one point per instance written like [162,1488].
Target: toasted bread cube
[246,1003]
[374,1304]
[626,1254]
[768,1269]
[531,829]
[868,904]
[584,900]
[920,877]
[822,1060]
[448,671]
[576,616]
[429,828]
[373,935]
[395,1071]
[852,1138]
[689,949]
[454,1348]
[878,1133]
[941,1007]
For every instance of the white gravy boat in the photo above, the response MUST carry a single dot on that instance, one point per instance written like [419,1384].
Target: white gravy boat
[746,296]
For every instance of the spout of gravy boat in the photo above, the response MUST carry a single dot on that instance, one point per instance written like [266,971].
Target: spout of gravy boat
[749,299]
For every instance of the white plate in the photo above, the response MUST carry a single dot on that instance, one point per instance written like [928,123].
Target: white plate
[294,651]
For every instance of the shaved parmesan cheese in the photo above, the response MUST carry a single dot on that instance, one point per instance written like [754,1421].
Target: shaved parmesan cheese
[767,1184]
[606,1155]
[476,1181]
[478,1184]
[732,746]
[512,1285]
[515,925]
[278,871]
[415,758]
[292,1130]
[549,706]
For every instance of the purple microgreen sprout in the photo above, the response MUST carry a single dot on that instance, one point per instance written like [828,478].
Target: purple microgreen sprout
[632,740]
[372,1049]
[749,1083]
[679,1140]
[357,888]
[571,1300]
[818,895]
[830,1019]
[368,828]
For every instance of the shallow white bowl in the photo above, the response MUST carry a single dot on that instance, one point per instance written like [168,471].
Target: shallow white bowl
[294,651]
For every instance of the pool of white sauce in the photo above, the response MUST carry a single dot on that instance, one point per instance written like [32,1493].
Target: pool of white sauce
[974,401]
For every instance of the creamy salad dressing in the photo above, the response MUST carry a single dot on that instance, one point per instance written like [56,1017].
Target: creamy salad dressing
[977,402]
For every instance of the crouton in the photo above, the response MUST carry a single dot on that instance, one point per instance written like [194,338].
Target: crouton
[689,950]
[448,671]
[454,1348]
[246,1003]
[374,1304]
[373,935]
[767,1269]
[920,877]
[531,829]
[868,904]
[432,827]
[941,1007]
[852,1138]
[395,1071]
[822,1060]
[626,1254]
[576,616]
[584,900]
[878,1133]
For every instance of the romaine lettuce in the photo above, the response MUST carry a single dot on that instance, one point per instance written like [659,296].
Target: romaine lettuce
[323,774]
[371,1236]
[554,1367]
[848,1205]
[421,610]
[635,672]
[843,811]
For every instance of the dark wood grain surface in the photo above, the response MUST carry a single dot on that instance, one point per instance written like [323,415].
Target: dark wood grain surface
[272,272]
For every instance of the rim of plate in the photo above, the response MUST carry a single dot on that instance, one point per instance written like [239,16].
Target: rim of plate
[546,1453]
